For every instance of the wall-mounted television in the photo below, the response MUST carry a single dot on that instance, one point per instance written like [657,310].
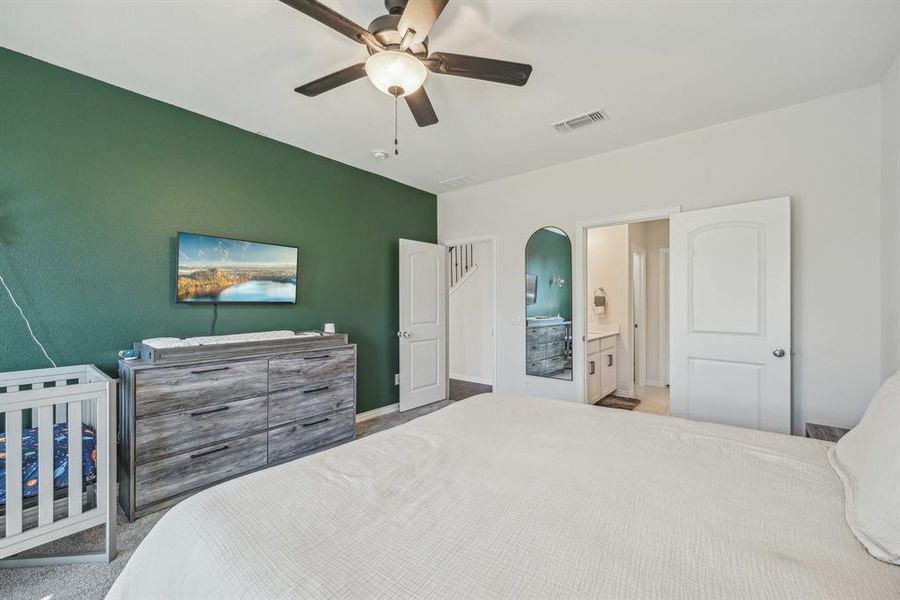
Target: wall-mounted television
[217,270]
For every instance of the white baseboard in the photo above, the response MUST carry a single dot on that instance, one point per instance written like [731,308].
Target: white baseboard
[378,412]
[626,393]
[471,379]
[654,383]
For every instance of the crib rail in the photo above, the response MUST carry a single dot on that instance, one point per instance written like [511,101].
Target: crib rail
[75,396]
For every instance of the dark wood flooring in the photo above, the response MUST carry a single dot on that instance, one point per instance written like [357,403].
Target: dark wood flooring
[459,390]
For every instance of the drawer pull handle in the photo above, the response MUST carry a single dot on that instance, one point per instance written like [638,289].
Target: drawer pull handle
[200,413]
[313,391]
[609,360]
[213,451]
[202,371]
[321,357]
[313,423]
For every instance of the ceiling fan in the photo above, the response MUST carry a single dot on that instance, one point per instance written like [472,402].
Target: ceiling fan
[399,59]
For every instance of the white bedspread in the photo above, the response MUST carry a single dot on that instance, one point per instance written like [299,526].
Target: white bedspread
[513,497]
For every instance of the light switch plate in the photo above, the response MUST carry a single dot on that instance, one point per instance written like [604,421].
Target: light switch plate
[397,379]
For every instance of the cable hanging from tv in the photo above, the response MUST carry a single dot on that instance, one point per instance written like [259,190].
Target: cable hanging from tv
[27,322]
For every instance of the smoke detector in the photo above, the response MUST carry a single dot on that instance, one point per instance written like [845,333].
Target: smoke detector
[379,155]
[457,182]
[597,116]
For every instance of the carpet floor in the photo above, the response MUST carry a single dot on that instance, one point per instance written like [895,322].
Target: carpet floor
[87,581]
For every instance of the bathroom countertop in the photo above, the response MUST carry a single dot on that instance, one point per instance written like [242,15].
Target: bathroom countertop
[598,335]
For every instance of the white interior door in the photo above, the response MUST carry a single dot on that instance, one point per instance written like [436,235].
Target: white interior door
[423,323]
[730,315]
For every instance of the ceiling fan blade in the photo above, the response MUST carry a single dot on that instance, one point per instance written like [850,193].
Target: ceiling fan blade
[335,20]
[475,67]
[329,82]
[418,16]
[421,108]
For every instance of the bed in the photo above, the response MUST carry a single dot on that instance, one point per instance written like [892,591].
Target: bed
[517,497]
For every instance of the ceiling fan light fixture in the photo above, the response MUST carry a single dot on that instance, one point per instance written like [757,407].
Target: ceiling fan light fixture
[396,73]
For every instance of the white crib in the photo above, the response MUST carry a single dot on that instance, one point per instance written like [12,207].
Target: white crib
[73,395]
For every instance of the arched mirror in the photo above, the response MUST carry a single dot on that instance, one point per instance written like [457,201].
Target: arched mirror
[548,304]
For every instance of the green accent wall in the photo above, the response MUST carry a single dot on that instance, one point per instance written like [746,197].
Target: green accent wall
[548,255]
[96,181]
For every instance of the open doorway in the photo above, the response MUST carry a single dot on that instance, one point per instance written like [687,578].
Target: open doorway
[471,308]
[627,334]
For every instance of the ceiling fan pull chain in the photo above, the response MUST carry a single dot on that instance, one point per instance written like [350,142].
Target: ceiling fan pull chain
[396,146]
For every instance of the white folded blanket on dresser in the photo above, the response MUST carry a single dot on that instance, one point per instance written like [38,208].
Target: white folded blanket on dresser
[516,497]
[208,340]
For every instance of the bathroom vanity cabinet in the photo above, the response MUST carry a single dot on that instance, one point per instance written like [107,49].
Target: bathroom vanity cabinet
[602,365]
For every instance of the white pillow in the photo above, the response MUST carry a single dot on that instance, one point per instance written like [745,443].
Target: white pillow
[867,460]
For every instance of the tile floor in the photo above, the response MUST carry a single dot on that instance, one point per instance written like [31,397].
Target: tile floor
[654,400]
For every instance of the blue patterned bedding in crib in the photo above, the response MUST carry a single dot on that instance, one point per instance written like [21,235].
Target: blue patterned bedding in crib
[60,459]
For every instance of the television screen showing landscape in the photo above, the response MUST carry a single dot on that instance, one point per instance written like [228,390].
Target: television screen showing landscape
[214,269]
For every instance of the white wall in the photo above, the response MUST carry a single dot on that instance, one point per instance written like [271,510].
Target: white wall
[825,154]
[890,218]
[471,321]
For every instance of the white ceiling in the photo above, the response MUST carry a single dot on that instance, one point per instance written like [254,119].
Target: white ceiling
[658,68]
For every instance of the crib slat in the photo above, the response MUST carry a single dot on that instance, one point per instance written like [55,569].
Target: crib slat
[45,465]
[101,431]
[75,465]
[13,472]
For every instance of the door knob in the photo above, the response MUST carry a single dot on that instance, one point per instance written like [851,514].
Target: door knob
[407,334]
[778,352]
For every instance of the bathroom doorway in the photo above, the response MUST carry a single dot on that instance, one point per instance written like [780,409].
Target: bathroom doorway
[627,328]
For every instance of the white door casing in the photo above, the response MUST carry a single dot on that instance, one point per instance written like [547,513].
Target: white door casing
[663,318]
[730,315]
[423,323]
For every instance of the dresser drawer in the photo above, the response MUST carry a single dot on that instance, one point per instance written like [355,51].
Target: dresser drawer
[556,333]
[536,352]
[554,365]
[196,469]
[303,437]
[170,433]
[181,388]
[555,349]
[535,335]
[293,370]
[310,400]
[536,367]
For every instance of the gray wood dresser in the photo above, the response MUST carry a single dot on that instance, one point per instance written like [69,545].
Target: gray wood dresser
[185,426]
[545,350]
